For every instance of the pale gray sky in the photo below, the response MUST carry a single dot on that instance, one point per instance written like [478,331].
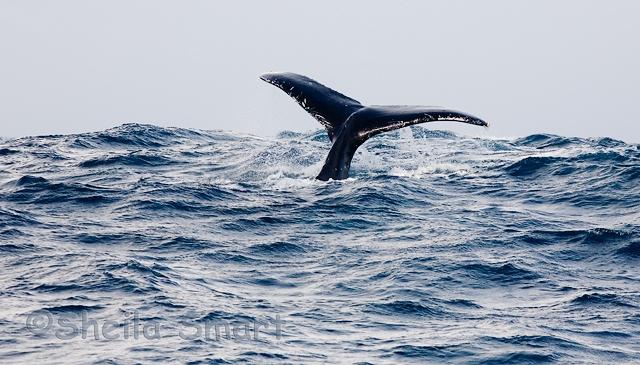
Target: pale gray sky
[561,67]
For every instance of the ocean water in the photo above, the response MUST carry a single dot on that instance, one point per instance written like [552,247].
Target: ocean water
[142,244]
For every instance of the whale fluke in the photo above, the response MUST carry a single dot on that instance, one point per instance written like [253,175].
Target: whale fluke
[349,123]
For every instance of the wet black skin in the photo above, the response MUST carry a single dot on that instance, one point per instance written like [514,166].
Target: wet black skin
[349,123]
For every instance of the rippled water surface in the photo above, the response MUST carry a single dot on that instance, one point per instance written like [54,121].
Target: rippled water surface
[438,249]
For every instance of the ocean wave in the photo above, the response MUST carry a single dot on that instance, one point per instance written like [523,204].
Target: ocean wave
[439,248]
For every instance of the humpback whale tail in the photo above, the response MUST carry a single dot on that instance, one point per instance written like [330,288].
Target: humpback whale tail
[349,123]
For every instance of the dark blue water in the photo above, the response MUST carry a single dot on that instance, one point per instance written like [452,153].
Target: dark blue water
[439,249]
